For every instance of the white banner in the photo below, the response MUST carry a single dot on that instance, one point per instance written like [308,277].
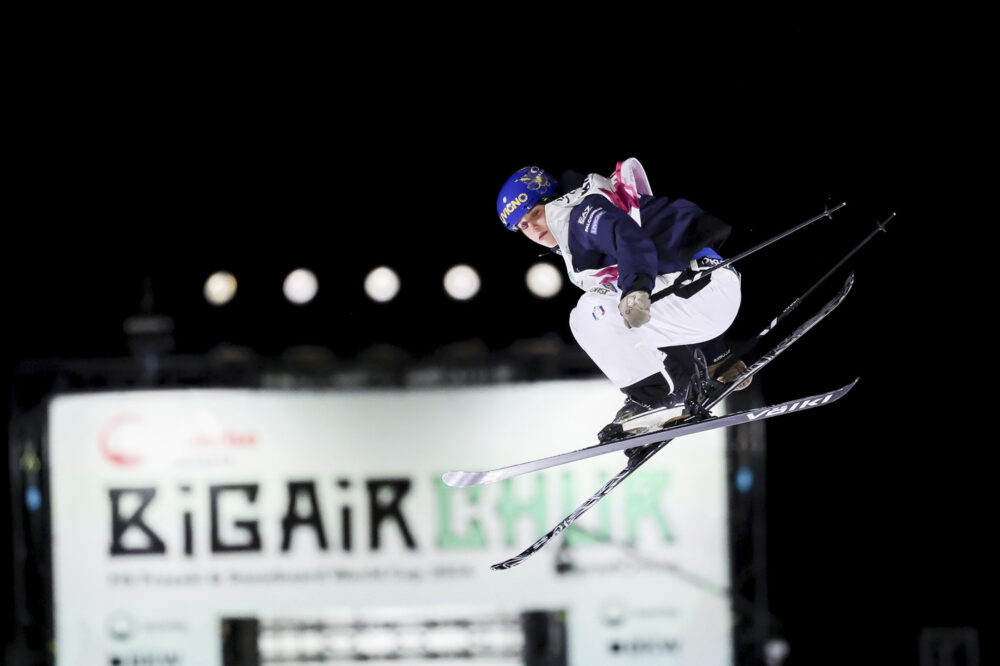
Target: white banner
[173,510]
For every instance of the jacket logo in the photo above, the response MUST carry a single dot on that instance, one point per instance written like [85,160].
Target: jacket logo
[595,217]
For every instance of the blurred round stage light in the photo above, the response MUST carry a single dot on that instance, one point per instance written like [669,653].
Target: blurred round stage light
[461,282]
[776,651]
[382,284]
[220,287]
[301,286]
[544,280]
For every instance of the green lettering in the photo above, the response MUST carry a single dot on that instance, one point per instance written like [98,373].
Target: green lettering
[511,510]
[448,539]
[643,499]
[576,534]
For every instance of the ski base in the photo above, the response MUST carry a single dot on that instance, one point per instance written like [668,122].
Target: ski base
[457,479]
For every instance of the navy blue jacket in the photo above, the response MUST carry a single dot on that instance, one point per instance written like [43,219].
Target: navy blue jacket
[672,233]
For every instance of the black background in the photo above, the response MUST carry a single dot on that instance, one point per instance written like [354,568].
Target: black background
[260,153]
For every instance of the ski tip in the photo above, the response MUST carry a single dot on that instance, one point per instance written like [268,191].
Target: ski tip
[844,390]
[506,564]
[456,479]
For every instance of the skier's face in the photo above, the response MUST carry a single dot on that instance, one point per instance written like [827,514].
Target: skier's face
[535,227]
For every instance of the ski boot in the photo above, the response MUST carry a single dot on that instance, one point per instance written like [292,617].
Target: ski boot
[727,370]
[649,403]
[636,416]
[723,365]
[679,404]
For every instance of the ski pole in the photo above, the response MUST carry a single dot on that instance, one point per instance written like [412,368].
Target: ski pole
[827,212]
[879,226]
[752,342]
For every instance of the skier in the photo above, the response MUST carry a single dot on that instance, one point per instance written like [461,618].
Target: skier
[621,245]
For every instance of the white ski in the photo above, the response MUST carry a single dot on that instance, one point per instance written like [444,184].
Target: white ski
[458,479]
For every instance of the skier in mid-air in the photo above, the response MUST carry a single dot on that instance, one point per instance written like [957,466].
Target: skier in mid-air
[621,245]
[656,262]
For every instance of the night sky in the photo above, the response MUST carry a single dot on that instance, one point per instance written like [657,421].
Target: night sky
[877,504]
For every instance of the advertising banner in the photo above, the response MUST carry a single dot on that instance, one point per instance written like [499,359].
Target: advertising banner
[320,518]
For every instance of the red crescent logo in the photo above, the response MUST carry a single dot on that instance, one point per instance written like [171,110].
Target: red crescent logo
[104,440]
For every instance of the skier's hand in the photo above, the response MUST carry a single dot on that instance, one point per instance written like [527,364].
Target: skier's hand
[634,308]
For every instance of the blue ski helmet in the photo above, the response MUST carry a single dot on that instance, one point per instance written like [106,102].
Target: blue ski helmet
[521,192]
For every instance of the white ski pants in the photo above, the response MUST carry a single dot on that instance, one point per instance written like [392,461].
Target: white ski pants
[627,355]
